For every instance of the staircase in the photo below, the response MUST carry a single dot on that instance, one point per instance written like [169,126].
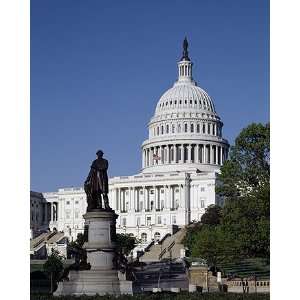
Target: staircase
[45,238]
[169,246]
[247,268]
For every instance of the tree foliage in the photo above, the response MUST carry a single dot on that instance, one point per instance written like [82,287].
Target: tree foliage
[125,243]
[54,266]
[249,165]
[241,228]
[212,215]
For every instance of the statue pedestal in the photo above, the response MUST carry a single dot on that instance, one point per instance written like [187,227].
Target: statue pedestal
[102,278]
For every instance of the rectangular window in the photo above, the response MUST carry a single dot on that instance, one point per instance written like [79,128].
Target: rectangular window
[138,221]
[173,219]
[202,203]
[76,202]
[68,202]
[148,223]
[202,189]
[152,192]
[158,219]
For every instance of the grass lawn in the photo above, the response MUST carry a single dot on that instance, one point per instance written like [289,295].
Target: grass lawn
[162,296]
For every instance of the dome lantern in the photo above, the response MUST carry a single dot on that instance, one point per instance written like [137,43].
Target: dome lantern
[185,65]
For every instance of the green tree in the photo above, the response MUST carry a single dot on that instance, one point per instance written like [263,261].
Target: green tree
[246,222]
[241,229]
[125,243]
[245,184]
[212,215]
[54,266]
[249,165]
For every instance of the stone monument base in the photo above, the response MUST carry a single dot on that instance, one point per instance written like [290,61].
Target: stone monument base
[94,282]
[102,278]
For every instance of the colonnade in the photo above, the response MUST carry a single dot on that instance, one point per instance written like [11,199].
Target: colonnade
[184,153]
[148,198]
[54,211]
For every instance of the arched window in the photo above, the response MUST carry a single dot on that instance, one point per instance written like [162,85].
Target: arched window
[180,102]
[198,128]
[157,130]
[173,128]
[203,128]
[179,128]
[144,237]
[192,127]
[167,129]
[162,129]
[185,127]
[208,129]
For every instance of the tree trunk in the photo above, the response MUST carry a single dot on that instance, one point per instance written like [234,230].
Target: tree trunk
[51,282]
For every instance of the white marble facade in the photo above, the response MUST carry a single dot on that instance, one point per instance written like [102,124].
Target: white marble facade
[180,163]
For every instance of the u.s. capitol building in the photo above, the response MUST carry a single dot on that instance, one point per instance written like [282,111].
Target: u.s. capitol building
[181,160]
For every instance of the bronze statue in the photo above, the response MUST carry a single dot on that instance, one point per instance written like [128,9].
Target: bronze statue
[96,184]
[185,53]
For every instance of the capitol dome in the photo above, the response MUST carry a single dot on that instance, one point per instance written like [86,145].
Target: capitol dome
[185,96]
[185,132]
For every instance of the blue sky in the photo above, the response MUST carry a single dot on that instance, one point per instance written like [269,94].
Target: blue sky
[98,69]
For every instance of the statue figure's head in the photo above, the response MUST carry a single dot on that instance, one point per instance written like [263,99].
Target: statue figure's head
[99,153]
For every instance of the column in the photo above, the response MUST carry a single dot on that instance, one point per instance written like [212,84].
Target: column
[210,154]
[57,211]
[150,156]
[187,187]
[146,198]
[204,154]
[155,198]
[160,155]
[217,155]
[174,154]
[171,197]
[167,154]
[131,202]
[197,154]
[168,198]
[51,216]
[221,156]
[189,153]
[181,149]
[119,199]
[179,197]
